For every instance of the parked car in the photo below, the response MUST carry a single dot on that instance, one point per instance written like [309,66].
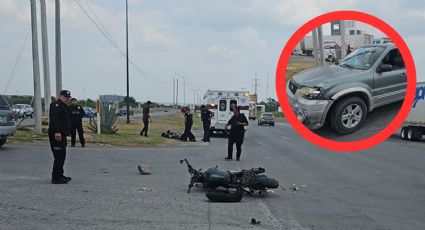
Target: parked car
[89,112]
[23,110]
[266,118]
[7,121]
[123,111]
[369,77]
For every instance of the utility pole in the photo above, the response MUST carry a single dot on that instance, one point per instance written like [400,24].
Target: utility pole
[58,47]
[174,92]
[255,93]
[45,50]
[322,50]
[315,53]
[267,89]
[177,93]
[128,80]
[36,69]
[343,39]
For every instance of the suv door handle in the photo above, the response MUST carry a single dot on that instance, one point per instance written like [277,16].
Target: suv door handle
[403,75]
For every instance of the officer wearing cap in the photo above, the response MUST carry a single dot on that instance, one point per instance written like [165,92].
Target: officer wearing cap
[59,129]
[76,113]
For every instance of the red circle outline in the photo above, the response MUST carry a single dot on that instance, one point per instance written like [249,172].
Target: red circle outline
[360,144]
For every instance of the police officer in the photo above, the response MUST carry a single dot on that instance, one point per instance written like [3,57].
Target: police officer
[146,118]
[59,129]
[76,113]
[236,134]
[206,115]
[188,122]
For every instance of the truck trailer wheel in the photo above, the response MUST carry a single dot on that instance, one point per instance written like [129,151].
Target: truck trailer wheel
[403,133]
[348,115]
[414,134]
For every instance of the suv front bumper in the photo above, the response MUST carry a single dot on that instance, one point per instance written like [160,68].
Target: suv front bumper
[7,130]
[311,113]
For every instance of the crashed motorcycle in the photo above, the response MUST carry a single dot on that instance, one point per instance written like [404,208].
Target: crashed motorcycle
[229,186]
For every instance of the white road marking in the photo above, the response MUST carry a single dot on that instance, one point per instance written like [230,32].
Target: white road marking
[285,138]
[290,221]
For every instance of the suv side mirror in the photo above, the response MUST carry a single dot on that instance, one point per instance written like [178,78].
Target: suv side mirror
[384,68]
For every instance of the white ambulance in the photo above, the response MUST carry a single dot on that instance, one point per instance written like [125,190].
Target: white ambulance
[220,103]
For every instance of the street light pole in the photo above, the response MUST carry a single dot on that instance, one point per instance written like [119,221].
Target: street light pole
[128,81]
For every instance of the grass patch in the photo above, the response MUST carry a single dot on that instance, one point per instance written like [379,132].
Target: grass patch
[127,135]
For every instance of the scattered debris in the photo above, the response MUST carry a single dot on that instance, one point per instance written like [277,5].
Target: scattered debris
[145,189]
[254,221]
[145,169]
[295,188]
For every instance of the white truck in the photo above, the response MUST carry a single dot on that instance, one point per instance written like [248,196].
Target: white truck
[220,102]
[332,43]
[414,126]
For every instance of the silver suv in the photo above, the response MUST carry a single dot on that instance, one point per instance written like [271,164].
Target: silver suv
[7,121]
[369,77]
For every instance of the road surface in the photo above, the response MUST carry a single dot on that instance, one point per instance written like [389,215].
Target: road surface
[379,188]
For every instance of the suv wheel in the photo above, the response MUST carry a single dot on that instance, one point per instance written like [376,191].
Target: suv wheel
[2,141]
[348,115]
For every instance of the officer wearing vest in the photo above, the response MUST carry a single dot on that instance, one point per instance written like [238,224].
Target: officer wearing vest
[59,129]
[76,113]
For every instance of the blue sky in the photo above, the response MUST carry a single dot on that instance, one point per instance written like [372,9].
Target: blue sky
[214,44]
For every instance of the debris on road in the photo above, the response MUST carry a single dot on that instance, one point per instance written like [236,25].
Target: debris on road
[145,189]
[254,221]
[145,169]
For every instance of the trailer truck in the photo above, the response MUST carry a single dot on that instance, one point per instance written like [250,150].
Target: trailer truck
[414,126]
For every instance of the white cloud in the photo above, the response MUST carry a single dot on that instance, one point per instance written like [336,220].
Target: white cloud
[249,37]
[222,52]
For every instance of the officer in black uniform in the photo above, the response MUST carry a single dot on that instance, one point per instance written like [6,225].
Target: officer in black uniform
[188,122]
[146,118]
[237,132]
[76,113]
[59,129]
[206,115]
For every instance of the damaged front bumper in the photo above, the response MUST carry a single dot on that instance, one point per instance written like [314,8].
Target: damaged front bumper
[311,113]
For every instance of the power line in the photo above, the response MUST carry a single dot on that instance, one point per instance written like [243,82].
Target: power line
[111,40]
[17,60]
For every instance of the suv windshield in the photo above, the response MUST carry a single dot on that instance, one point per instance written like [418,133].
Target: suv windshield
[18,106]
[362,58]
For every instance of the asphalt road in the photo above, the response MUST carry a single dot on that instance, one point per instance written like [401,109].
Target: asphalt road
[379,188]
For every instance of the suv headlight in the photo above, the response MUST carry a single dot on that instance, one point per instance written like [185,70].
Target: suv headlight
[310,92]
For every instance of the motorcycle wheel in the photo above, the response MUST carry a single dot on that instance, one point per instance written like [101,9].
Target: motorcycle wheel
[263,182]
[224,196]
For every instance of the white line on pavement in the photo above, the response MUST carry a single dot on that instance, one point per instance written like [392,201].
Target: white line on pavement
[278,223]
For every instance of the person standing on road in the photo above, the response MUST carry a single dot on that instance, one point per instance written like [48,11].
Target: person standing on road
[188,122]
[206,115]
[76,113]
[237,131]
[146,118]
[59,129]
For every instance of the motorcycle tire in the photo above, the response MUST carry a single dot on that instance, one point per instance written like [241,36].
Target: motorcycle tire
[263,182]
[224,196]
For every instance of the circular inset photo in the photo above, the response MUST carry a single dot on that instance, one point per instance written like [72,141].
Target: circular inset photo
[346,81]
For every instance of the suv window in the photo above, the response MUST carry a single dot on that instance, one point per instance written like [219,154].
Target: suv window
[3,103]
[394,59]
[362,58]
